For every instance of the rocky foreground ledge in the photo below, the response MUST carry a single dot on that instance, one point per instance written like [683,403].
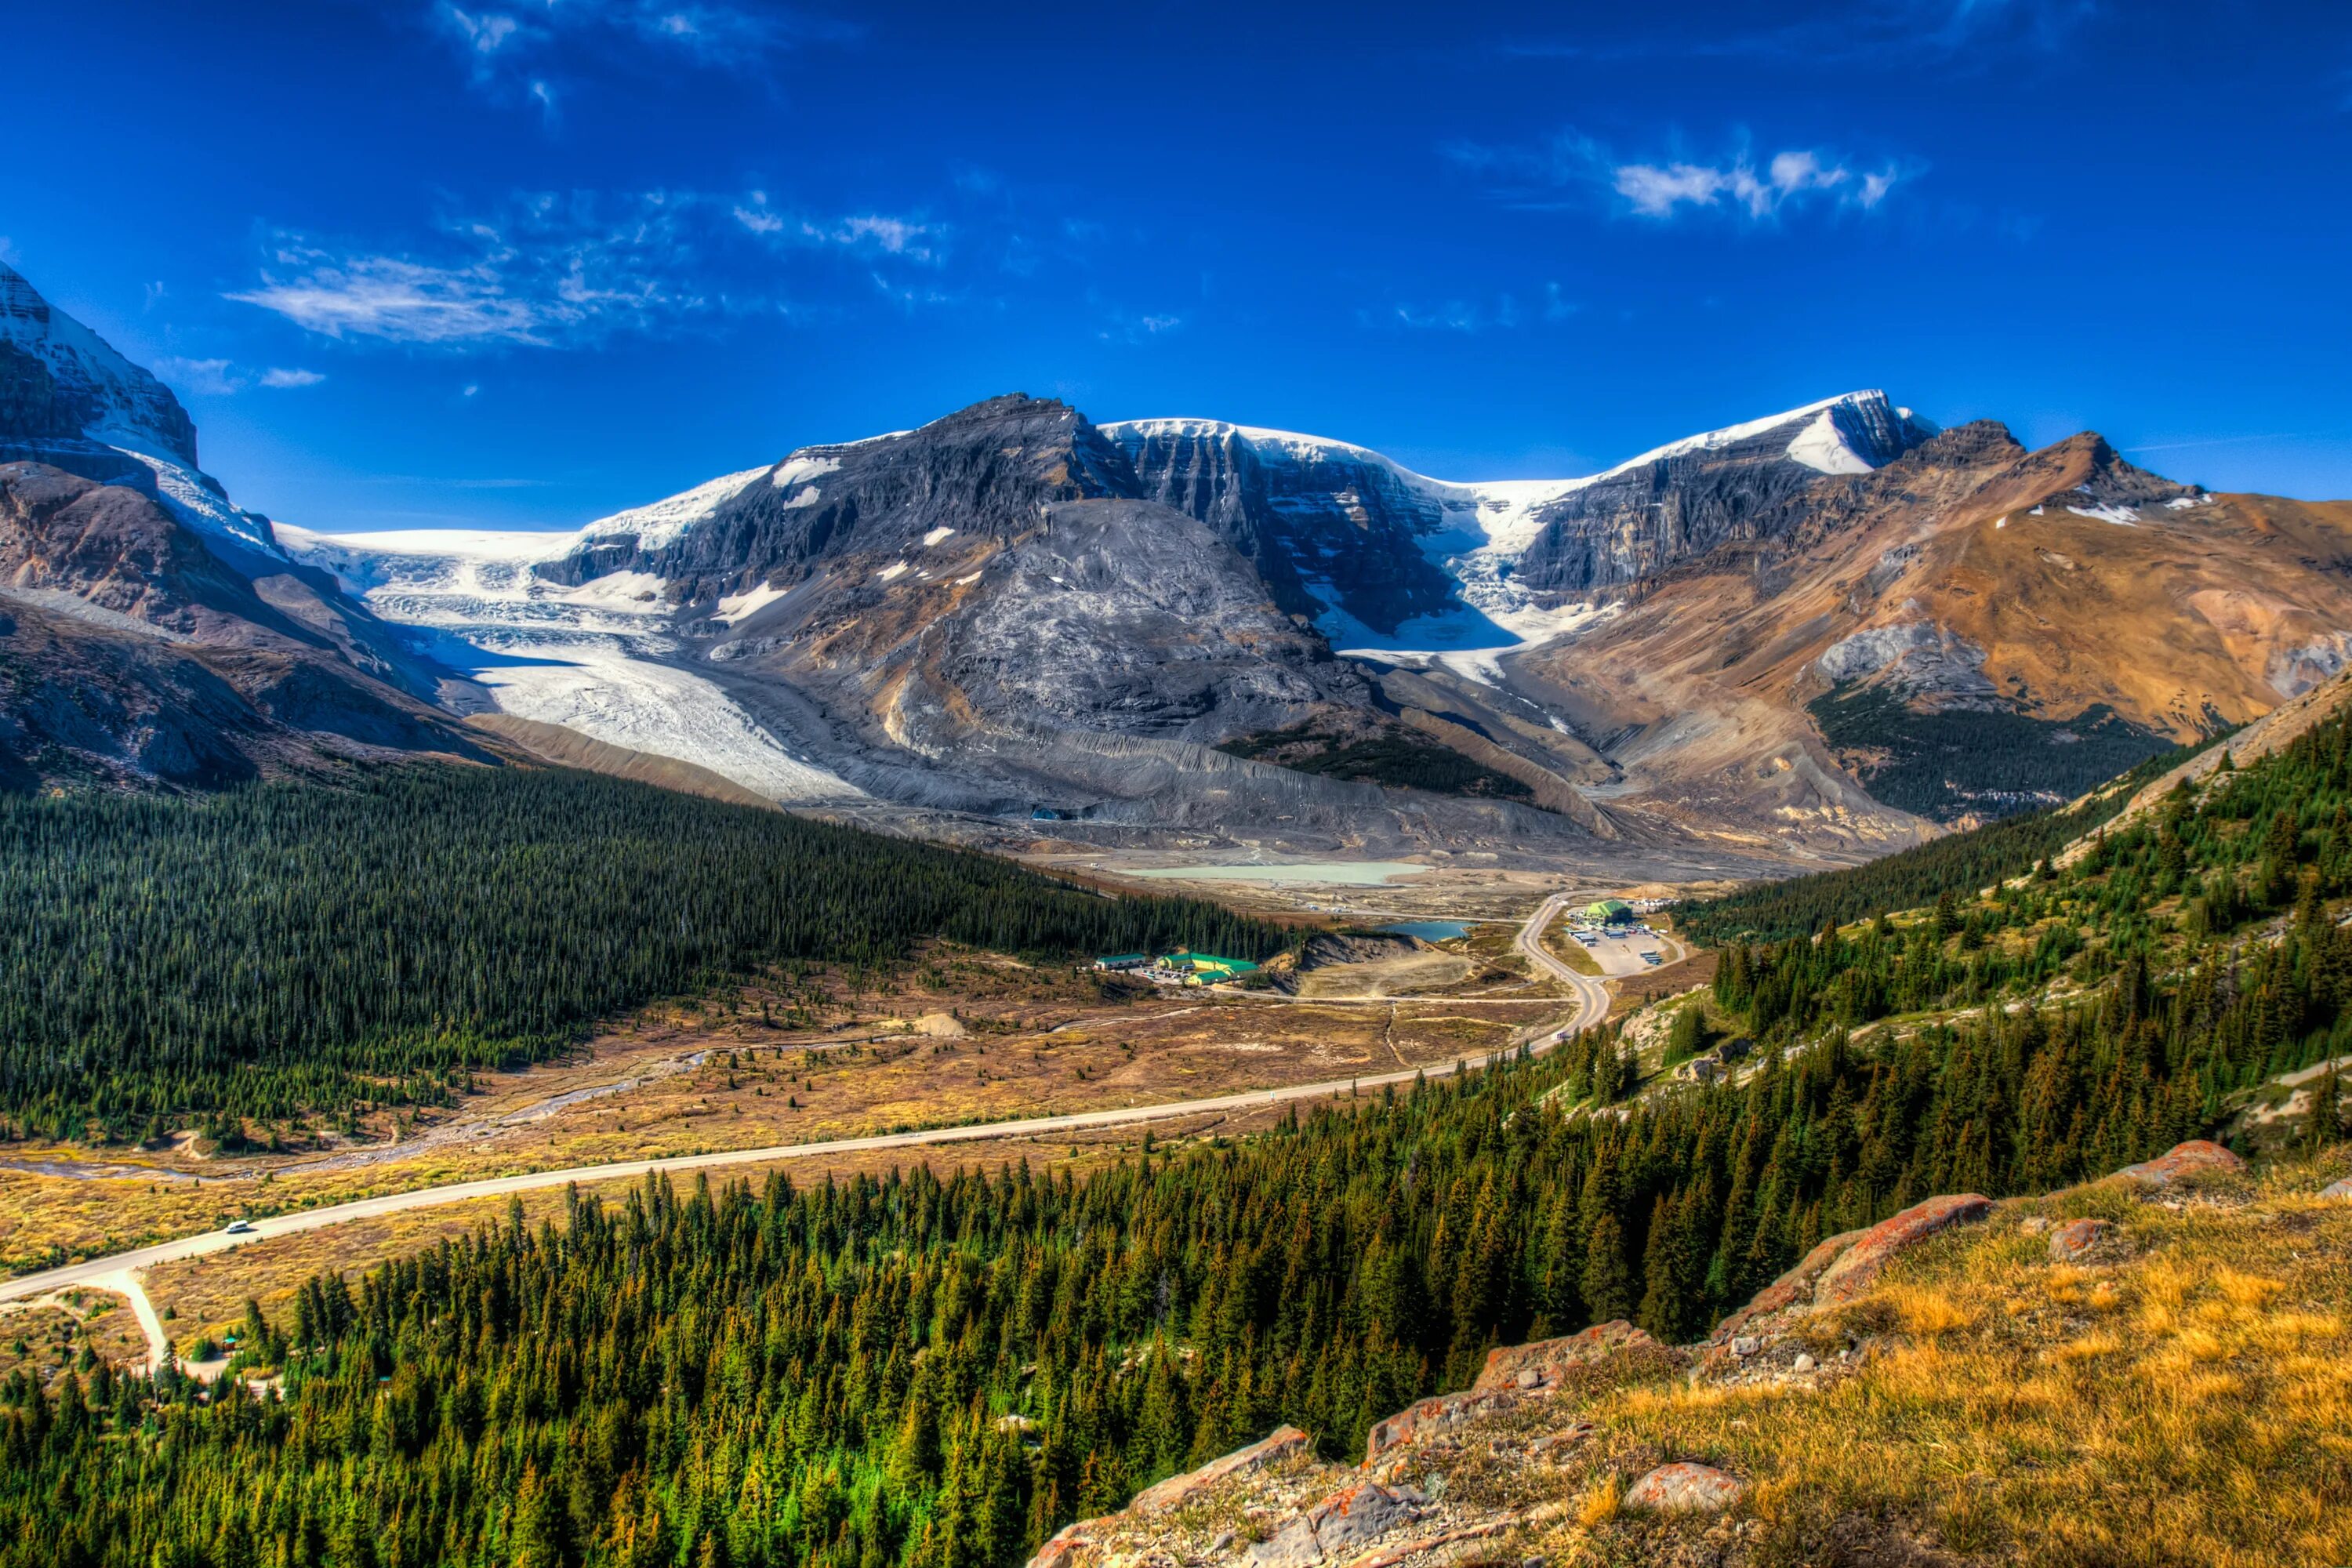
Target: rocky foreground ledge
[1527,1464]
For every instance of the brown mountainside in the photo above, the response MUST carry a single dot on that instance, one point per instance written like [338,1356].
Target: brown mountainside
[1972,584]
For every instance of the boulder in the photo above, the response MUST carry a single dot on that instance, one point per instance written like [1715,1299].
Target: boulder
[1425,1418]
[1686,1487]
[1338,1526]
[1548,1361]
[2338,1189]
[1177,1490]
[1857,1269]
[1357,1515]
[2078,1239]
[2181,1160]
[1074,1545]
[1066,1546]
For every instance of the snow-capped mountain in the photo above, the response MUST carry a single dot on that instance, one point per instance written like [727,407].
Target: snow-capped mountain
[1390,561]
[69,399]
[1012,611]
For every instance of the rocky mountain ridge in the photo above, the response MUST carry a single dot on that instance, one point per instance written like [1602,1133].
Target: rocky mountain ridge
[131,651]
[1805,635]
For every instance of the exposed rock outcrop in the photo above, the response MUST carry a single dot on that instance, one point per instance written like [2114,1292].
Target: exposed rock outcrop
[1686,1487]
[2195,1157]
[1546,1362]
[2078,1241]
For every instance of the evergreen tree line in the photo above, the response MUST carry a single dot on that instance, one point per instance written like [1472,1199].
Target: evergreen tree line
[2227,885]
[292,949]
[1957,863]
[1952,763]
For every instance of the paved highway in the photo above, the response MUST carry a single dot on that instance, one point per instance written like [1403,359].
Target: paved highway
[112,1272]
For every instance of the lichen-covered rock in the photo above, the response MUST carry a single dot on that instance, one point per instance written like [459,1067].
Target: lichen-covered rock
[1857,1269]
[1425,1418]
[1339,1525]
[1542,1364]
[2078,1239]
[2181,1160]
[1686,1487]
[1176,1490]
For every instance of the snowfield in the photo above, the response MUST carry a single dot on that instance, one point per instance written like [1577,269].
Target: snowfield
[599,687]
[592,658]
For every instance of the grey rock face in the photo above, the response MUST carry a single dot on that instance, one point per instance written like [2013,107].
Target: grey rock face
[1343,520]
[988,470]
[1640,519]
[1125,616]
[65,392]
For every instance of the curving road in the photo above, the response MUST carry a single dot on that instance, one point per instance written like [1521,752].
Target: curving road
[112,1272]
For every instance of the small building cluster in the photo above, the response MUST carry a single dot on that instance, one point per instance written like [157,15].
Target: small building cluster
[1178,968]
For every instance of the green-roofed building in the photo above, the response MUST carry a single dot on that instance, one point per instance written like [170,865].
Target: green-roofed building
[1124,961]
[1207,968]
[1609,912]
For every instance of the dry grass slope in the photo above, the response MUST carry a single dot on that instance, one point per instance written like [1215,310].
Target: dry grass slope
[2182,1393]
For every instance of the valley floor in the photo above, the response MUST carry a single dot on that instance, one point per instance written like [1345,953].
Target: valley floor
[964,1059]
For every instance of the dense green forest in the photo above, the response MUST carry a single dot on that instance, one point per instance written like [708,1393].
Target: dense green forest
[292,949]
[1949,763]
[1959,863]
[927,1374]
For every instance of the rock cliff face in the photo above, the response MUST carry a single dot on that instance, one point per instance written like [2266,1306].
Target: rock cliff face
[1683,501]
[70,400]
[1328,526]
[62,386]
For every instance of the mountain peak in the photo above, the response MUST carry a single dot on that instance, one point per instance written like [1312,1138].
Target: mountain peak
[61,382]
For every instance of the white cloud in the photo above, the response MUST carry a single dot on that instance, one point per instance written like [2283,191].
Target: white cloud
[204,377]
[891,236]
[484,33]
[1552,173]
[394,298]
[550,269]
[281,377]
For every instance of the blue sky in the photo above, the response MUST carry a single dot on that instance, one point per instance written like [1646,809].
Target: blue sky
[521,262]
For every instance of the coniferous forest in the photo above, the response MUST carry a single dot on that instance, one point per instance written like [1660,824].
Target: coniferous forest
[936,1373]
[288,949]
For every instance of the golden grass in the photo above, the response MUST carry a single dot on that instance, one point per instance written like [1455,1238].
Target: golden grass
[1042,1041]
[2191,1403]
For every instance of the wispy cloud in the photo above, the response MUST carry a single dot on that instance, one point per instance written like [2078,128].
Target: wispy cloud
[395,298]
[1127,329]
[204,377]
[550,269]
[1482,313]
[1969,32]
[224,378]
[503,45]
[1572,168]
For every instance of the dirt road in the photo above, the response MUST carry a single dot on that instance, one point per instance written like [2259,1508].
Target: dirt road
[1591,1005]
